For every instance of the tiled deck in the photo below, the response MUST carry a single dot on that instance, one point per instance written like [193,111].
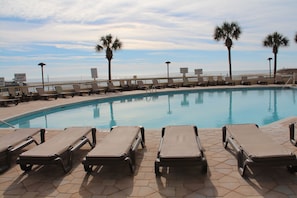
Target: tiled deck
[222,179]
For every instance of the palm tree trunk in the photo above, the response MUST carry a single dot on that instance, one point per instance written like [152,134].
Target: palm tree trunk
[109,70]
[229,57]
[274,72]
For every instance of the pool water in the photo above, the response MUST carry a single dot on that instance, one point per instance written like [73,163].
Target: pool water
[205,108]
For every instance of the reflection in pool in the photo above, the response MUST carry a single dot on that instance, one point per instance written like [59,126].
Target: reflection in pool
[205,108]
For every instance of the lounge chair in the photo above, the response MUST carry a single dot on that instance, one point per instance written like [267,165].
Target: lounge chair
[124,86]
[211,81]
[201,82]
[6,101]
[131,85]
[14,141]
[279,80]
[156,84]
[112,88]
[180,146]
[171,84]
[187,83]
[220,80]
[229,81]
[142,86]
[96,89]
[292,134]
[13,95]
[45,95]
[262,80]
[64,93]
[26,95]
[57,150]
[79,91]
[253,147]
[245,81]
[118,146]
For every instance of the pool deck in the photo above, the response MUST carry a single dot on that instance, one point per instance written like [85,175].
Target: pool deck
[222,179]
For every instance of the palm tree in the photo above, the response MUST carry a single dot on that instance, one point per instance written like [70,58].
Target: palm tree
[275,41]
[296,38]
[109,44]
[227,32]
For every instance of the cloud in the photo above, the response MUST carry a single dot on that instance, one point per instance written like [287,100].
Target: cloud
[142,25]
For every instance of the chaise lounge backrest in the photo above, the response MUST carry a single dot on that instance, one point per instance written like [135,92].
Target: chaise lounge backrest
[179,141]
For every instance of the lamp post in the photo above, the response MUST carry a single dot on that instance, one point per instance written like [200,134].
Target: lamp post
[41,65]
[167,62]
[269,59]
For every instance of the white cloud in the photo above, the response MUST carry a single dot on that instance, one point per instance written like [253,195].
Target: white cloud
[143,25]
[77,25]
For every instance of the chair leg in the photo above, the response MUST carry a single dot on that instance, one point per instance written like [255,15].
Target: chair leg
[88,168]
[157,169]
[292,134]
[7,160]
[142,137]
[131,164]
[204,168]
[26,167]
[65,166]
[225,143]
[132,157]
[69,162]
[240,164]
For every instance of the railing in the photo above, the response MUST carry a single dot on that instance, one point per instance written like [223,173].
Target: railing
[148,80]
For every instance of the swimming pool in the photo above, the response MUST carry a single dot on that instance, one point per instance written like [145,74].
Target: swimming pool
[207,108]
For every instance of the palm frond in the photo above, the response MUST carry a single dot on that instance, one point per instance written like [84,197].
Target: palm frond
[98,48]
[227,30]
[275,40]
[117,44]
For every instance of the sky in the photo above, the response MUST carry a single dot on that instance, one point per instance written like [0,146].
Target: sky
[63,35]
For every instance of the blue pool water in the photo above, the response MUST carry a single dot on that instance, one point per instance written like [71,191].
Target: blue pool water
[205,108]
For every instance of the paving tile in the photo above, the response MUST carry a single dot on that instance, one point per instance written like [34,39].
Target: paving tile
[221,180]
